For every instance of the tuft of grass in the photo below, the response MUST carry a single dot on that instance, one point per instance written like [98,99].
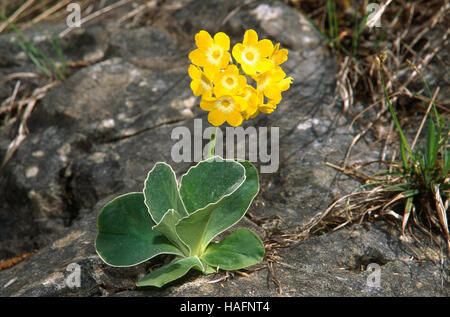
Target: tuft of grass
[330,33]
[43,62]
[413,187]
[414,191]
[424,182]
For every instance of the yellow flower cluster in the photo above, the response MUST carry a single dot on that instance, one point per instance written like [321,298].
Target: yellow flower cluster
[223,85]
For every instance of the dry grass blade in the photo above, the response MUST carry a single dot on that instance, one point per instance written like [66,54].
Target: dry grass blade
[95,15]
[9,102]
[38,94]
[442,214]
[406,218]
[16,14]
[360,134]
[50,11]
[137,11]
[272,276]
[424,118]
[18,75]
[223,278]
[393,200]
[376,17]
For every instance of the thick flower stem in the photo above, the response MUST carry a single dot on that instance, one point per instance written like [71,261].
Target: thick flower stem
[212,143]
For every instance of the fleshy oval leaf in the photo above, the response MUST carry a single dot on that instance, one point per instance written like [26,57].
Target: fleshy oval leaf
[209,181]
[125,236]
[240,249]
[199,228]
[161,192]
[170,272]
[167,227]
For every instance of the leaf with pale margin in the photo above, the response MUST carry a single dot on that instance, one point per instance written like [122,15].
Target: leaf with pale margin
[161,192]
[171,272]
[240,249]
[199,228]
[167,227]
[125,236]
[209,181]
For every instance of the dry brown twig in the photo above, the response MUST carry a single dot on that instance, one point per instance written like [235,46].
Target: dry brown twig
[38,94]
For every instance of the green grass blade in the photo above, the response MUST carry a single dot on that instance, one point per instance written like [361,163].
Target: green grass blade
[330,22]
[33,58]
[403,141]
[431,146]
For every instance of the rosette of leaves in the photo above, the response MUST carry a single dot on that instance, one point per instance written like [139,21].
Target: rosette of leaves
[183,221]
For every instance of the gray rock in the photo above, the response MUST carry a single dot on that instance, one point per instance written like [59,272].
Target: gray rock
[98,133]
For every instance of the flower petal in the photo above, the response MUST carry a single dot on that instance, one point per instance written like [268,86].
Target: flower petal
[267,108]
[237,52]
[272,92]
[242,82]
[265,47]
[203,39]
[225,60]
[285,83]
[277,74]
[280,57]
[234,118]
[222,40]
[196,87]
[254,115]
[249,69]
[194,72]
[250,38]
[216,117]
[197,57]
[207,104]
[264,65]
[240,103]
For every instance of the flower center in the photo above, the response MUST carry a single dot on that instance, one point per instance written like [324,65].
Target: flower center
[225,104]
[205,82]
[216,54]
[250,55]
[229,81]
[262,83]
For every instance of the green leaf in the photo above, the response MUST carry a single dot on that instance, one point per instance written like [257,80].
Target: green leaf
[209,181]
[240,249]
[170,272]
[403,156]
[446,164]
[161,192]
[125,236]
[199,228]
[431,147]
[167,227]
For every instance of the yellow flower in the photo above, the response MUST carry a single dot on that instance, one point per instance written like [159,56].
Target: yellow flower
[223,87]
[223,108]
[252,54]
[273,82]
[211,54]
[229,82]
[253,99]
[270,106]
[200,82]
[279,56]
